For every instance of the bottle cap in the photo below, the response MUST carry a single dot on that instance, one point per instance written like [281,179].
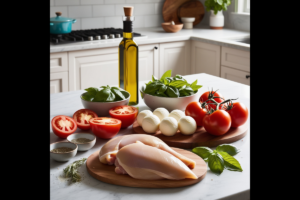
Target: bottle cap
[128,10]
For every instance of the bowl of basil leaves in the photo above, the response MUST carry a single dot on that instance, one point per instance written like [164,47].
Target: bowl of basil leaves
[103,99]
[169,92]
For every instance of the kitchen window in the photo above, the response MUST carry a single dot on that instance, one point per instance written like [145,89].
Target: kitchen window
[242,7]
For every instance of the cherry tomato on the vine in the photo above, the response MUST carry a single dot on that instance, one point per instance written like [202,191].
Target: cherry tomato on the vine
[194,110]
[209,94]
[238,114]
[217,123]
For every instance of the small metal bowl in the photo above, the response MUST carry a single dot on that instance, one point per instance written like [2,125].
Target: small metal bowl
[62,157]
[83,146]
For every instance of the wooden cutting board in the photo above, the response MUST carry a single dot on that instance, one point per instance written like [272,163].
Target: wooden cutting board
[106,173]
[199,138]
[192,8]
[169,10]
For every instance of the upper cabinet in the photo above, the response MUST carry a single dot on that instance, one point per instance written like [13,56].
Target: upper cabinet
[205,58]
[174,56]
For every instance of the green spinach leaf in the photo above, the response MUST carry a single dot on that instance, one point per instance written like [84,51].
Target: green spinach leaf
[165,75]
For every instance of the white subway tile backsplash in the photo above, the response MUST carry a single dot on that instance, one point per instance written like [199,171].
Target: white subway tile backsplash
[138,22]
[76,25]
[51,2]
[153,1]
[153,20]
[66,2]
[103,10]
[158,8]
[89,23]
[134,1]
[143,9]
[80,11]
[89,2]
[62,9]
[113,1]
[115,22]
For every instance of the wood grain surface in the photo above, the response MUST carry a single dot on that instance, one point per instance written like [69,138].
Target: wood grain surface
[106,173]
[192,8]
[199,138]
[169,10]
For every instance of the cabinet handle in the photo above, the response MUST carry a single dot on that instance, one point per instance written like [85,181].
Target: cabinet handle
[247,76]
[155,48]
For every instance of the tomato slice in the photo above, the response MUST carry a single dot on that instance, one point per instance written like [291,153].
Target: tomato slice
[63,126]
[82,118]
[105,127]
[127,114]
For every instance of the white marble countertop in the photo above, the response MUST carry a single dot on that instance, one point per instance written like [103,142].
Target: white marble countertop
[228,185]
[158,35]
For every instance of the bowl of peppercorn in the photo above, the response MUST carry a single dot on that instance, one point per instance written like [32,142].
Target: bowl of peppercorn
[63,151]
[84,141]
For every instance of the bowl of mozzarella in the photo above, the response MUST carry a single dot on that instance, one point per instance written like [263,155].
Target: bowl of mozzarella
[167,122]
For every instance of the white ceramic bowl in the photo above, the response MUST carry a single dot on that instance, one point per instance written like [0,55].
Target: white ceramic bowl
[102,108]
[169,103]
[63,156]
[83,146]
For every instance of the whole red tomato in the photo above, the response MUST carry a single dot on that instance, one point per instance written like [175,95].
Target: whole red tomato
[127,114]
[194,110]
[105,127]
[206,95]
[63,126]
[82,118]
[217,123]
[238,113]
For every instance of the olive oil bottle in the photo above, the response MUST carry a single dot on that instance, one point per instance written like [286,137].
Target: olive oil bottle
[128,59]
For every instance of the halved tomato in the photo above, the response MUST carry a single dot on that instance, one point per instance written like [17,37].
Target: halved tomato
[63,126]
[127,114]
[105,127]
[82,118]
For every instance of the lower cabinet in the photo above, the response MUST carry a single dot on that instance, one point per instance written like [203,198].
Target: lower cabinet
[235,75]
[59,82]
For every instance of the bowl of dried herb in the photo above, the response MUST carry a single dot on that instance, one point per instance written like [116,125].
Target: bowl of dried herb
[84,141]
[63,151]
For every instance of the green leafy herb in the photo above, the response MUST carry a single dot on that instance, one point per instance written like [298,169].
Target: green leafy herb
[168,86]
[106,94]
[220,158]
[71,170]
[216,5]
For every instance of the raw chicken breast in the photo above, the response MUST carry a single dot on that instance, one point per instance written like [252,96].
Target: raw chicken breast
[149,163]
[109,150]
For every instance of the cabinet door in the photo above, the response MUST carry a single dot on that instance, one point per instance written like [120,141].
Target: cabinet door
[235,75]
[148,61]
[235,58]
[59,62]
[93,68]
[59,82]
[174,56]
[205,58]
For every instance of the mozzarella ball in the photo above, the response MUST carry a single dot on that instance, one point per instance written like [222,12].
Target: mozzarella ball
[150,124]
[161,113]
[168,126]
[187,125]
[177,114]
[142,115]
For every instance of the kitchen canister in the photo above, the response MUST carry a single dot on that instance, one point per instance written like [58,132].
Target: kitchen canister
[216,21]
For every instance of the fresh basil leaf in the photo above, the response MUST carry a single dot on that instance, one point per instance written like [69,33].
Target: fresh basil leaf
[172,91]
[184,93]
[103,95]
[166,81]
[163,88]
[203,152]
[194,83]
[148,83]
[88,97]
[191,93]
[111,97]
[181,88]
[228,148]
[220,2]
[178,76]
[216,163]
[230,162]
[116,88]
[142,95]
[196,87]
[118,94]
[188,89]
[165,75]
[160,94]
[92,91]
[178,83]
[103,87]
[152,87]
[154,78]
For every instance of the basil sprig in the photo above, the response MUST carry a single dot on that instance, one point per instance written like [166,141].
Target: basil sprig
[168,86]
[107,94]
[220,158]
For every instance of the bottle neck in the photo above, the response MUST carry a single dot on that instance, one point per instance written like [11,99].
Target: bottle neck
[127,35]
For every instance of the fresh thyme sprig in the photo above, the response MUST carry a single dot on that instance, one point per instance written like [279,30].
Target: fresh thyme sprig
[71,170]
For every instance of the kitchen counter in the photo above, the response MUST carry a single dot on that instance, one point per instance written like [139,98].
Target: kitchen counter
[158,35]
[228,185]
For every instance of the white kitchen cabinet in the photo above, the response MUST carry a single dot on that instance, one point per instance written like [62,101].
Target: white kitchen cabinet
[235,58]
[205,58]
[235,75]
[59,82]
[59,62]
[98,67]
[174,56]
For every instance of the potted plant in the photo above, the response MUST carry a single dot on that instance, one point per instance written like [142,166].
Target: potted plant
[216,7]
